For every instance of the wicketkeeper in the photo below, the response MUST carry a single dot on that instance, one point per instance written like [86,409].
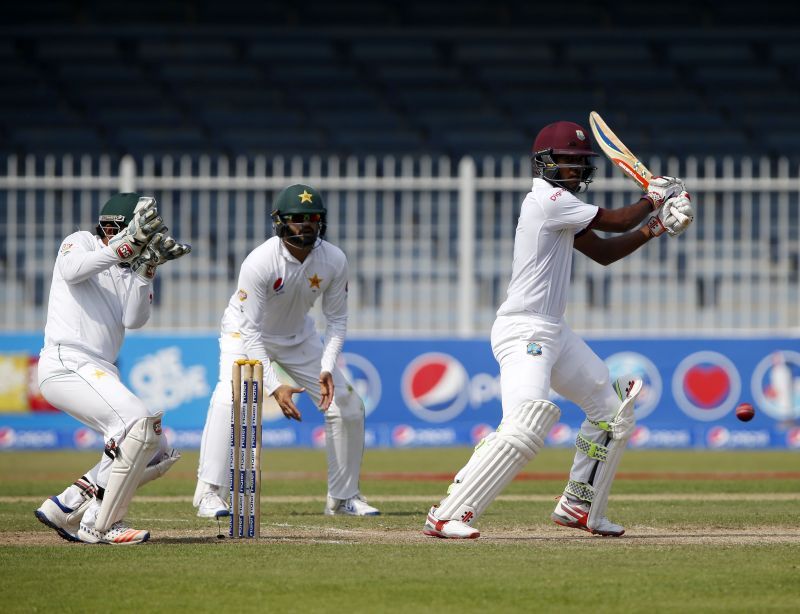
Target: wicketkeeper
[537,350]
[103,285]
[267,319]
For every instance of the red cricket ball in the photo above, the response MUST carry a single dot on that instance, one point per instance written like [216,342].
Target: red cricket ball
[745,412]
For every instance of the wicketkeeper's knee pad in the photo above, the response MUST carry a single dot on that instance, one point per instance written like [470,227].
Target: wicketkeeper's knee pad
[130,460]
[498,459]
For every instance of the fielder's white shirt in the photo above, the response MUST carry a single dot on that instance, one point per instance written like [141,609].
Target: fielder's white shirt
[548,222]
[276,291]
[92,299]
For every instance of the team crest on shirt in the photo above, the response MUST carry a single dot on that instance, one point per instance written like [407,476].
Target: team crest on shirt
[65,247]
[314,282]
[534,349]
[242,295]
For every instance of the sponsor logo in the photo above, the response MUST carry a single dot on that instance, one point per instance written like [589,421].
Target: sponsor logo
[124,251]
[534,349]
[776,385]
[318,437]
[561,434]
[242,295]
[633,364]
[86,438]
[793,438]
[163,382]
[364,377]
[554,196]
[404,435]
[10,438]
[435,387]
[644,437]
[66,247]
[278,285]
[479,432]
[467,517]
[706,386]
[721,437]
[279,438]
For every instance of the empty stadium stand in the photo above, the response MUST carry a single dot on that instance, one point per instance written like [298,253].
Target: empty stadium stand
[352,77]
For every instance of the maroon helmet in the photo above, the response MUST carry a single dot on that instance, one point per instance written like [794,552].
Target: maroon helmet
[566,139]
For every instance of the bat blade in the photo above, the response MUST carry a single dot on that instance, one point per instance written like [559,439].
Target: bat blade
[618,153]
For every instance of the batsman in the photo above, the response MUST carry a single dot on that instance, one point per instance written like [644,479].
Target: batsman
[103,285]
[537,350]
[267,319]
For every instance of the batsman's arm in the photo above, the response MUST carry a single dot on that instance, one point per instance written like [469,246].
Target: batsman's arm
[605,251]
[624,219]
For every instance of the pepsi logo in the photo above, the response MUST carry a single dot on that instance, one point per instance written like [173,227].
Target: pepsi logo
[560,434]
[7,437]
[706,385]
[86,438]
[479,431]
[718,437]
[402,435]
[364,377]
[435,387]
[278,285]
[318,437]
[776,385]
[793,438]
[638,366]
[640,436]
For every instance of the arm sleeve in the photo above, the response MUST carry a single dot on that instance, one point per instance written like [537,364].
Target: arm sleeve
[76,263]
[571,212]
[139,304]
[334,308]
[252,301]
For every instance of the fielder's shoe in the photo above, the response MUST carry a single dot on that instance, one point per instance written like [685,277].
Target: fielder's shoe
[448,529]
[354,506]
[574,513]
[212,506]
[64,520]
[119,534]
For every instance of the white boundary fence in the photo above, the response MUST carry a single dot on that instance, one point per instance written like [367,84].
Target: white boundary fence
[429,241]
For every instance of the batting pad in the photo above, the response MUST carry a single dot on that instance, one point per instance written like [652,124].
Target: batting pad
[497,462]
[133,454]
[622,428]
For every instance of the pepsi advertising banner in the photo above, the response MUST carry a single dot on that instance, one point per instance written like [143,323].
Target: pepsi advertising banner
[434,392]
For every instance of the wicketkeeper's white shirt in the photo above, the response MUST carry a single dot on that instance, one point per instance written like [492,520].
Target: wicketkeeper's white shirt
[275,293]
[92,299]
[548,222]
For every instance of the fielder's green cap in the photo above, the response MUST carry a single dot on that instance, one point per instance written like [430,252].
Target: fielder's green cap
[119,208]
[299,198]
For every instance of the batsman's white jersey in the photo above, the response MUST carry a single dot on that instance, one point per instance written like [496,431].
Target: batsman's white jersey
[267,319]
[92,301]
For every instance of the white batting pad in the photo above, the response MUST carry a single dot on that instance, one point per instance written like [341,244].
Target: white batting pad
[498,459]
[133,454]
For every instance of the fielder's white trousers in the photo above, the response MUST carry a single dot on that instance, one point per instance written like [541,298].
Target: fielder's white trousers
[560,360]
[88,388]
[344,419]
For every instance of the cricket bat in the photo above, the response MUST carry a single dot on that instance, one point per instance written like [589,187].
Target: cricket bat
[616,151]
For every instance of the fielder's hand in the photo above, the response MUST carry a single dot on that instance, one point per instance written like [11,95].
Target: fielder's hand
[129,242]
[283,396]
[325,390]
[674,216]
[663,188]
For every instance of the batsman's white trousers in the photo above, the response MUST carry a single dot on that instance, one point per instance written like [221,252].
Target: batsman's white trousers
[537,353]
[344,419]
[88,388]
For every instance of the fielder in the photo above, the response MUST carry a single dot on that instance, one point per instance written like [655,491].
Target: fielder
[537,350]
[102,285]
[267,319]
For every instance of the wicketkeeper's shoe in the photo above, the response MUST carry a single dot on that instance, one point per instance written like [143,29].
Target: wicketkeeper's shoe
[354,506]
[448,529]
[574,513]
[120,534]
[64,520]
[212,506]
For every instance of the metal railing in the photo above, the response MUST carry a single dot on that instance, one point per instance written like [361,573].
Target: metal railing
[429,241]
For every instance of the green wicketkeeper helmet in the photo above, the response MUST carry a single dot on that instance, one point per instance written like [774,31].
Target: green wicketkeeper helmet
[118,211]
[299,204]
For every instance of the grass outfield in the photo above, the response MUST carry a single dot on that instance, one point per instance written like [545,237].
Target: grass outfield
[706,531]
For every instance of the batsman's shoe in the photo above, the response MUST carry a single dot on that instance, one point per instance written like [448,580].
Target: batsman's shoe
[212,506]
[64,520]
[573,513]
[448,529]
[354,506]
[120,534]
